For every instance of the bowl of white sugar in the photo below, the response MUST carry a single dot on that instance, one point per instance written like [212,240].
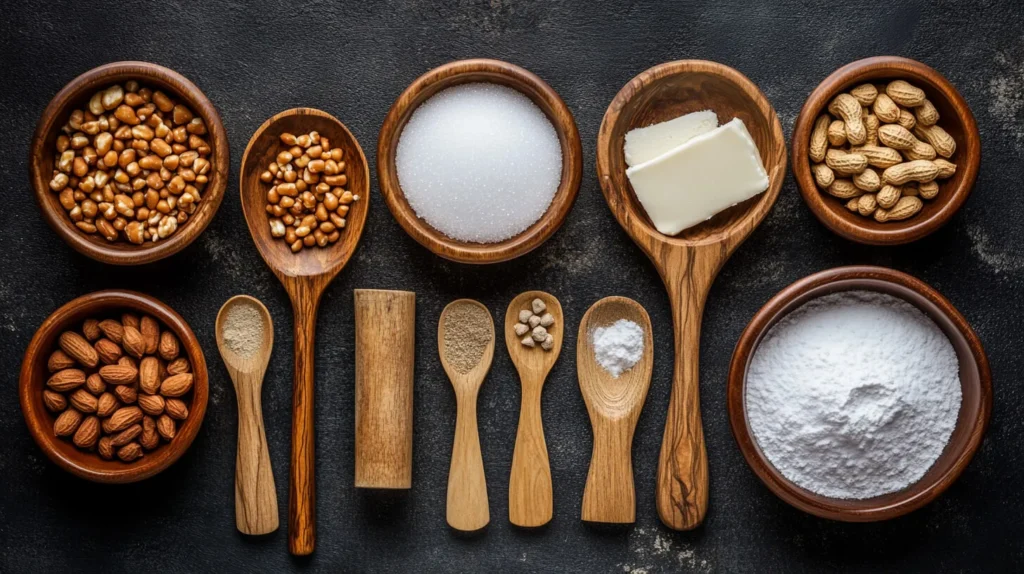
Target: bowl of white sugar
[859,394]
[479,161]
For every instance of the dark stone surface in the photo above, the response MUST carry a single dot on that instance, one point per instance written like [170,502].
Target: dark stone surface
[352,59]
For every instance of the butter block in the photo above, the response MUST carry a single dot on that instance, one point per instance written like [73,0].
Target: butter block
[709,173]
[645,144]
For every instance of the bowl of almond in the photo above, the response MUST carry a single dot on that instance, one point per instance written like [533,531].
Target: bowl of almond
[885,151]
[113,386]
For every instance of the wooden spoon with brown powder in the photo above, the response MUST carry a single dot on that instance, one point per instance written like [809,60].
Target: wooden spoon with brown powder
[465,341]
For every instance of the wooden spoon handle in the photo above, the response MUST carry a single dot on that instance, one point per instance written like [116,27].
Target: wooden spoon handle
[609,495]
[302,488]
[529,486]
[467,486]
[255,495]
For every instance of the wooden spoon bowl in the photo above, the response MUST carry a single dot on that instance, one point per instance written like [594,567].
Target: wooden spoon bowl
[76,95]
[688,262]
[472,71]
[975,380]
[955,117]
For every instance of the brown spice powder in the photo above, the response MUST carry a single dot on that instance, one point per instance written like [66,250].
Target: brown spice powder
[467,332]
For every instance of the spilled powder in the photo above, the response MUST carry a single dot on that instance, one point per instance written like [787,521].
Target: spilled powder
[243,328]
[467,332]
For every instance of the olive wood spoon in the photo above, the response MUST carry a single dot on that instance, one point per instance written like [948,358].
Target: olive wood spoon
[304,275]
[687,262]
[467,487]
[529,485]
[255,494]
[614,405]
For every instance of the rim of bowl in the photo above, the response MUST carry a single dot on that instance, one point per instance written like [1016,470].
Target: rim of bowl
[825,207]
[33,375]
[839,279]
[41,157]
[470,71]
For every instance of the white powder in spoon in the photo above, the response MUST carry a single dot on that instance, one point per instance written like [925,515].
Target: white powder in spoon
[243,328]
[618,346]
[853,395]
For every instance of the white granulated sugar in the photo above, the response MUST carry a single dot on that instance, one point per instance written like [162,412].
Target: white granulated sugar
[853,395]
[618,346]
[479,162]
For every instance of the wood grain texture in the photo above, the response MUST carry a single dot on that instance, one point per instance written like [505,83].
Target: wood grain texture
[687,262]
[385,358]
[467,71]
[255,493]
[530,500]
[955,117]
[75,95]
[975,381]
[614,405]
[467,507]
[304,275]
[34,375]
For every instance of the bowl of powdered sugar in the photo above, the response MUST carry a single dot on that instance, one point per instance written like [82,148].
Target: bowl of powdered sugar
[859,394]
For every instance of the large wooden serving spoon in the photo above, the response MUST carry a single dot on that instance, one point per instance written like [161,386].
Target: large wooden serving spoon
[529,486]
[687,262]
[614,405]
[304,276]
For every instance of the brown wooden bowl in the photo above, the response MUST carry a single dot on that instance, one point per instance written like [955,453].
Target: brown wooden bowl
[463,72]
[34,375]
[955,117]
[975,380]
[76,95]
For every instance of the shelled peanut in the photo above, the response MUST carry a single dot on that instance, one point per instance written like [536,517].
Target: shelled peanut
[118,387]
[307,202]
[880,149]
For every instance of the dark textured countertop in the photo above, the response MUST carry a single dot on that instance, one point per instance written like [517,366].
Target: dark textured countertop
[352,59]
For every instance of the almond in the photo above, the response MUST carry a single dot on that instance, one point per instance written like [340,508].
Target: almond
[95,384]
[67,423]
[150,439]
[55,402]
[149,375]
[130,452]
[126,361]
[151,404]
[178,366]
[58,361]
[105,449]
[122,418]
[133,342]
[108,351]
[106,405]
[88,433]
[130,320]
[128,394]
[168,348]
[176,385]
[91,329]
[66,380]
[78,348]
[150,331]
[118,374]
[126,436]
[176,409]
[83,401]
[165,426]
[112,330]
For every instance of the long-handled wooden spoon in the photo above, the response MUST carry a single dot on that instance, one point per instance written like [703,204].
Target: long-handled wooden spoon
[529,486]
[304,276]
[255,495]
[614,405]
[467,486]
[687,262]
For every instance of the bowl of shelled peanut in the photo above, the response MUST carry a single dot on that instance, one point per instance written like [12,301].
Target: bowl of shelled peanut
[129,162]
[885,151]
[113,386]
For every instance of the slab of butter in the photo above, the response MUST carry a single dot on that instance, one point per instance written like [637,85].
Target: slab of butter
[645,144]
[707,174]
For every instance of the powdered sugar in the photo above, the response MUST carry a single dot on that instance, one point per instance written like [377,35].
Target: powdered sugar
[853,395]
[618,346]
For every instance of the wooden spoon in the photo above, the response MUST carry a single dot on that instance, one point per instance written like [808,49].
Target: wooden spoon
[687,262]
[304,276]
[529,486]
[255,495]
[614,406]
[467,486]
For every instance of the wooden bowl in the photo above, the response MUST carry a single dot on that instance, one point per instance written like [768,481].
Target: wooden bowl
[76,95]
[463,72]
[34,375]
[975,380]
[955,117]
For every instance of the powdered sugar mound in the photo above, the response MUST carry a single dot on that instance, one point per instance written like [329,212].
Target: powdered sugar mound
[854,394]
[618,346]
[479,162]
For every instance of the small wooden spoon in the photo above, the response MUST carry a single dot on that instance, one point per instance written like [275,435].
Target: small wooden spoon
[255,495]
[304,275]
[529,486]
[614,405]
[467,486]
